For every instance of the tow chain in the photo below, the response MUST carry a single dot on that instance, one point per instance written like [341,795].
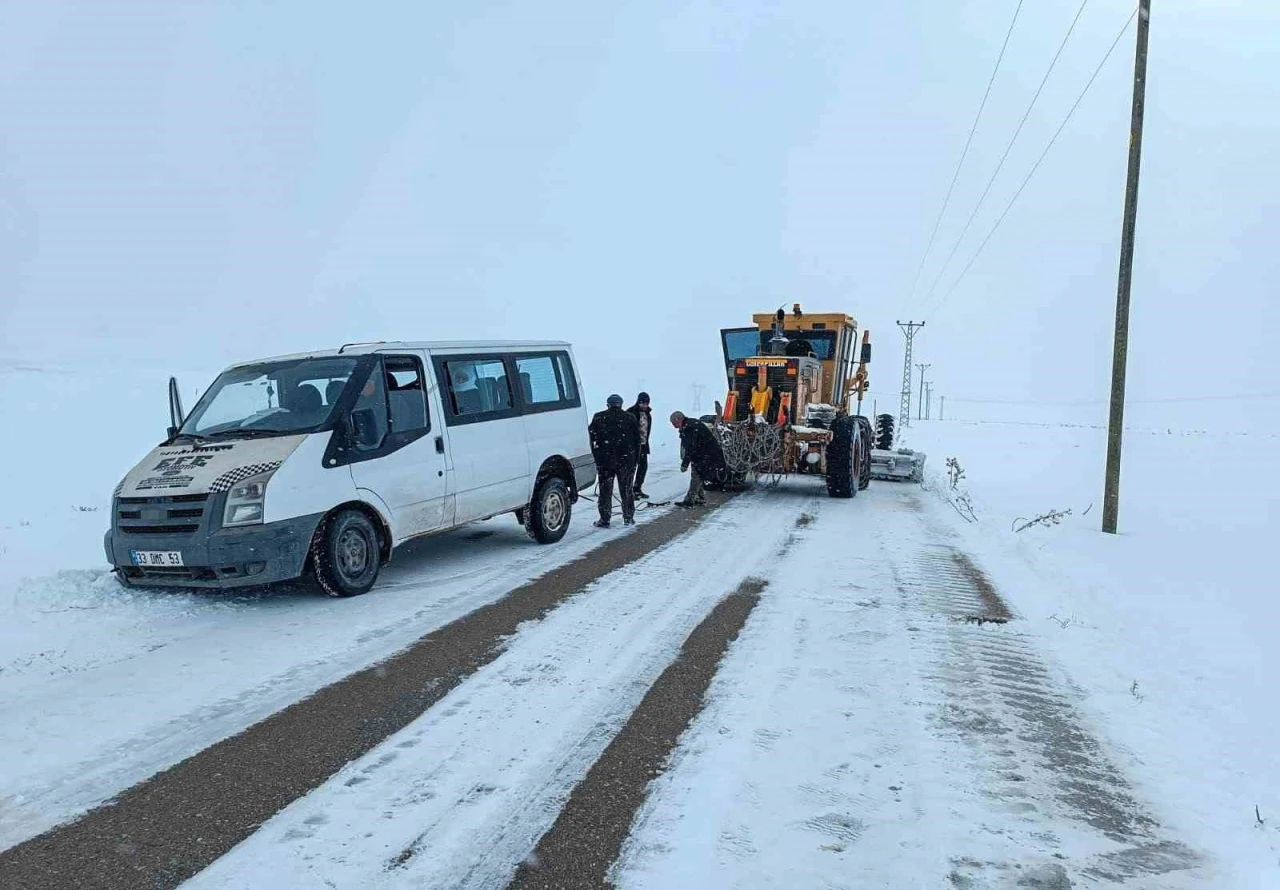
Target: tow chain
[617,501]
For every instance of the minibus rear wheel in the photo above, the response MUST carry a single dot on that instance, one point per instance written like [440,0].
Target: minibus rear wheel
[345,556]
[547,518]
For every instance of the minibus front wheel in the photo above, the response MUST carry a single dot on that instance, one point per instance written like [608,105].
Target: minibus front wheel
[345,554]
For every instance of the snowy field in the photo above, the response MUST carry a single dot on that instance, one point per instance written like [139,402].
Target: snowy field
[861,732]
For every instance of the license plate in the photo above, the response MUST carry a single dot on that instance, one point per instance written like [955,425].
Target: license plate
[156,558]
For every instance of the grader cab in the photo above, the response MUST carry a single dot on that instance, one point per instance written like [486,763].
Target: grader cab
[795,389]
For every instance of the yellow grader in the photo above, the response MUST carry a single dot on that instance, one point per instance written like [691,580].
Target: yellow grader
[794,404]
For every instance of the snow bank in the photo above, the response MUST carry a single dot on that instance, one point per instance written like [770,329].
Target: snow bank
[1168,626]
[71,435]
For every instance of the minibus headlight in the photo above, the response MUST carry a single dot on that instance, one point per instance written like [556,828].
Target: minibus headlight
[245,501]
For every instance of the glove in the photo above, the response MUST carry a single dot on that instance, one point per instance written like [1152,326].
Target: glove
[684,468]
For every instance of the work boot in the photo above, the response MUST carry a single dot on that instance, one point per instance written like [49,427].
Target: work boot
[686,503]
[628,522]
[641,496]
[601,523]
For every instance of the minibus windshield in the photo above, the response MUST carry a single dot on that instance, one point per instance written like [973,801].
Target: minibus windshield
[271,398]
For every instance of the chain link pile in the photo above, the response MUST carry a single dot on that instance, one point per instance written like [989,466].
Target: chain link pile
[752,448]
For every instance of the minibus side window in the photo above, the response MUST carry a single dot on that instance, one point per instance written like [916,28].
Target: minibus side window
[538,382]
[565,367]
[407,394]
[478,386]
[545,381]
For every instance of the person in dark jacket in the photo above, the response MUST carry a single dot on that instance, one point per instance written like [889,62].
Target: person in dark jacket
[644,417]
[700,453]
[615,445]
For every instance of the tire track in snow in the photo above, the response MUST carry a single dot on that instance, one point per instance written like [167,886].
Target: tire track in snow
[577,851]
[459,798]
[166,829]
[907,747]
[1038,760]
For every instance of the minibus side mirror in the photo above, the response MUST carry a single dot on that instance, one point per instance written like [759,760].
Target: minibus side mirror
[176,415]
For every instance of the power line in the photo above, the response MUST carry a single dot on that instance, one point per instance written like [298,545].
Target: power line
[1233,397]
[981,247]
[968,142]
[1008,148]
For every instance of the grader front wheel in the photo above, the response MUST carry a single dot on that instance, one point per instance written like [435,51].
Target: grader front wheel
[842,459]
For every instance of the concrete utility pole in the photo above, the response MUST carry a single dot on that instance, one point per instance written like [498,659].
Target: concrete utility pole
[909,330]
[920,403]
[928,400]
[1120,356]
[697,399]
[942,406]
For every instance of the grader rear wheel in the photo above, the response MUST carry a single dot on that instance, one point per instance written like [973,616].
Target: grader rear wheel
[884,432]
[864,444]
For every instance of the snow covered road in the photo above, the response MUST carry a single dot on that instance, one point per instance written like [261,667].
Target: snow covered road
[887,718]
[101,687]
[460,797]
[878,724]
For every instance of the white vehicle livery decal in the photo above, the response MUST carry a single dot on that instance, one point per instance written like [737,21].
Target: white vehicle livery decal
[212,468]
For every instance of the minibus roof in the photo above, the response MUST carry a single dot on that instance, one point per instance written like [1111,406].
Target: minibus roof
[456,346]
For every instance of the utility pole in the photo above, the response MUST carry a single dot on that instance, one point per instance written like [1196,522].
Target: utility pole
[928,401]
[942,406]
[1120,355]
[920,403]
[909,330]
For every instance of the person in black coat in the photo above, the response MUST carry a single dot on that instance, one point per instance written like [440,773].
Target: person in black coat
[701,454]
[644,417]
[615,445]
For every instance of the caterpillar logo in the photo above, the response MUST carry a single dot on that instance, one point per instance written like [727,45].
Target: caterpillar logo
[767,362]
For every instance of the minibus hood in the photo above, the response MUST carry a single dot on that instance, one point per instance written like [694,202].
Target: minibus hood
[208,468]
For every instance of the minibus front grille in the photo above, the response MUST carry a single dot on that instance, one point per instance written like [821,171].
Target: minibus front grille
[180,514]
[183,529]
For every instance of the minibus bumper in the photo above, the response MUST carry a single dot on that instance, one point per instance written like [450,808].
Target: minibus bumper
[223,559]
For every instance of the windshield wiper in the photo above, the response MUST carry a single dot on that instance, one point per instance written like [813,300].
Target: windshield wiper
[252,433]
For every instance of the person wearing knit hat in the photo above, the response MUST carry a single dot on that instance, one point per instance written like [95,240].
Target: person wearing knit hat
[644,419]
[615,445]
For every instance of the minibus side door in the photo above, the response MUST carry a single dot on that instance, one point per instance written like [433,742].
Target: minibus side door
[396,450]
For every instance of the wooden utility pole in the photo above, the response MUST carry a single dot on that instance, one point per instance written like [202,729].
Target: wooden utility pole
[1120,355]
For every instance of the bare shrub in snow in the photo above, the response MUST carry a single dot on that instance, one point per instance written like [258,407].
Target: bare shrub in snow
[964,506]
[954,472]
[1053,517]
[1133,690]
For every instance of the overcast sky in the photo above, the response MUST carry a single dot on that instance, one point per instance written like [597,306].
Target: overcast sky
[182,185]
